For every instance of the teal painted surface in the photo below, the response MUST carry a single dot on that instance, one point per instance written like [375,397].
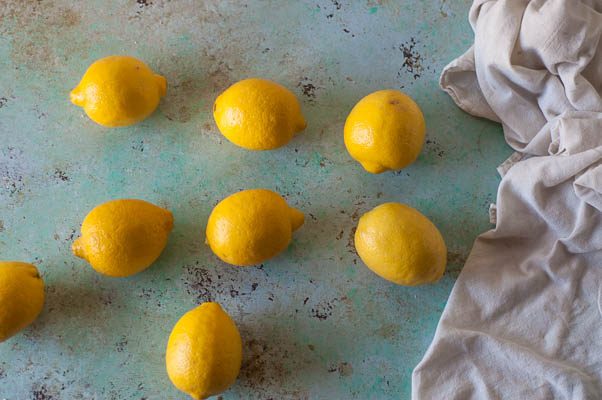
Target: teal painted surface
[316,323]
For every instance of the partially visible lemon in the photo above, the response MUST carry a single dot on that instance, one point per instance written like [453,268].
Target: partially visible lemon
[401,245]
[385,131]
[119,91]
[204,352]
[258,114]
[123,237]
[251,226]
[21,297]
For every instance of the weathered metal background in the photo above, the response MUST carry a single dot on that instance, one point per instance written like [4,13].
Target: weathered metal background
[316,323]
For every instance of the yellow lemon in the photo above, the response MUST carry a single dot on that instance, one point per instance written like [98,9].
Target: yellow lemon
[401,245]
[204,352]
[119,91]
[21,297]
[123,237]
[385,131]
[251,226]
[258,114]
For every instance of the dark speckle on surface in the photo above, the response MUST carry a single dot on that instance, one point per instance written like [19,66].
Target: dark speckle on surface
[199,283]
[139,146]
[412,59]
[456,258]
[455,263]
[3,101]
[267,368]
[308,89]
[348,31]
[1,226]
[337,4]
[340,234]
[351,241]
[11,176]
[61,175]
[207,284]
[388,331]
[41,394]
[121,344]
[323,309]
[343,368]
[434,147]
[144,3]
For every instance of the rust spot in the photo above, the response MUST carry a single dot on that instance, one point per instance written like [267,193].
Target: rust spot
[345,369]
[177,104]
[456,258]
[351,241]
[455,263]
[68,18]
[388,331]
[264,369]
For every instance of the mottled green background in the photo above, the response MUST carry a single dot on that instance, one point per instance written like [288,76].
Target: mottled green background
[316,324]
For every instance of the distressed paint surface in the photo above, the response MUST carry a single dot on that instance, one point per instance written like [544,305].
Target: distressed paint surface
[316,324]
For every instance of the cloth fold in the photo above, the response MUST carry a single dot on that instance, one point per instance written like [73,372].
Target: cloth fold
[524,319]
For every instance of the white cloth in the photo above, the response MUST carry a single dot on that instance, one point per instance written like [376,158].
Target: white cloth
[524,319]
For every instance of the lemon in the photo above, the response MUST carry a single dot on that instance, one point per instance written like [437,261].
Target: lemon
[251,226]
[119,91]
[385,131]
[21,297]
[204,352]
[401,245]
[258,114]
[123,237]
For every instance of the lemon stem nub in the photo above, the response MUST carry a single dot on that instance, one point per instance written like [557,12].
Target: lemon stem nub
[78,248]
[301,125]
[297,218]
[373,168]
[77,97]
[162,84]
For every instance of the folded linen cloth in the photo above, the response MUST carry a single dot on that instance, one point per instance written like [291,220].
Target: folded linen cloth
[524,319]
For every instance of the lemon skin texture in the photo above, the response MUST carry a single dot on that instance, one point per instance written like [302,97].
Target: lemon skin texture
[204,352]
[401,245]
[123,237]
[21,297]
[119,91]
[252,226]
[385,131]
[258,114]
